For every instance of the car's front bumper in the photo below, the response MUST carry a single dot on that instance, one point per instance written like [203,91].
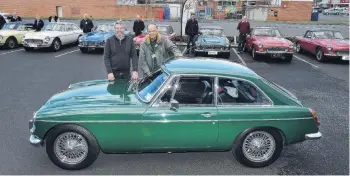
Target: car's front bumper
[212,52]
[45,45]
[91,46]
[33,139]
[313,136]
[275,53]
[337,56]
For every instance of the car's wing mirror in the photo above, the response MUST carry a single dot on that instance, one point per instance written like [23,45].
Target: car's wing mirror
[174,105]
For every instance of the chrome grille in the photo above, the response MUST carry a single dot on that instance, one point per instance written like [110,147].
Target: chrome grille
[92,43]
[217,47]
[281,49]
[34,41]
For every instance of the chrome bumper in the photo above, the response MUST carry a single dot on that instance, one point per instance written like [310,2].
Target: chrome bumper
[271,52]
[313,136]
[84,46]
[35,141]
[2,44]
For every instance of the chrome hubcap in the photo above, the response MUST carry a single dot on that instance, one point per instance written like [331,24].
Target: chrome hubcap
[70,148]
[298,47]
[11,44]
[57,45]
[259,146]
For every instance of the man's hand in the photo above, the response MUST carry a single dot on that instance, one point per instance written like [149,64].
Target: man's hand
[111,77]
[134,75]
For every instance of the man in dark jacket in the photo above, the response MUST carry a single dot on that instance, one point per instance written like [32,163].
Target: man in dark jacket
[139,26]
[191,30]
[38,24]
[2,21]
[86,24]
[244,29]
[118,52]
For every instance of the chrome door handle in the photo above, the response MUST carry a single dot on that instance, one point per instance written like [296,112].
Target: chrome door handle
[207,115]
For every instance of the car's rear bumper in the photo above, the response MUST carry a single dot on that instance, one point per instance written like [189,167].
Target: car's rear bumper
[313,136]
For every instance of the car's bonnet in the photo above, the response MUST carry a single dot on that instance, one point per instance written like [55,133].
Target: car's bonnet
[43,34]
[213,40]
[96,36]
[272,40]
[334,43]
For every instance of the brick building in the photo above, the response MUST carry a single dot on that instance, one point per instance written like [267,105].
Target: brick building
[279,10]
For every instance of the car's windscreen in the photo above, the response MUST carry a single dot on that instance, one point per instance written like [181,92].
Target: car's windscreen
[266,32]
[10,26]
[105,28]
[53,27]
[328,35]
[210,31]
[149,86]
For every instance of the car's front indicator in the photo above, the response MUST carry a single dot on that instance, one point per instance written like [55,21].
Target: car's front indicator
[313,112]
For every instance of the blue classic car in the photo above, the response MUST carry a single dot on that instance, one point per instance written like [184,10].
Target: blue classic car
[97,38]
[213,42]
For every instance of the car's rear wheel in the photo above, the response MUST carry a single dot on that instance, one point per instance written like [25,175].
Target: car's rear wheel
[254,55]
[258,147]
[72,147]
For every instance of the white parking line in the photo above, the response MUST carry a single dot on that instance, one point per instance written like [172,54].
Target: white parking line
[305,61]
[11,52]
[239,57]
[67,53]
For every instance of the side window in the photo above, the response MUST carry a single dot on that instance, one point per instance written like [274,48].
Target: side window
[308,35]
[235,92]
[191,91]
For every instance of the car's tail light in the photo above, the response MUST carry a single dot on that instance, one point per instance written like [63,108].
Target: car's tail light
[313,112]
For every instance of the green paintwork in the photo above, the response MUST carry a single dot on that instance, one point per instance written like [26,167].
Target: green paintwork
[121,122]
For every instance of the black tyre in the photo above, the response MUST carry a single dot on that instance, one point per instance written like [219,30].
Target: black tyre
[289,58]
[72,147]
[28,48]
[56,45]
[320,55]
[11,43]
[254,55]
[298,48]
[258,147]
[84,50]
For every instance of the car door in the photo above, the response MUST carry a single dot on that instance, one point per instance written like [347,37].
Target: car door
[191,125]
[71,33]
[307,42]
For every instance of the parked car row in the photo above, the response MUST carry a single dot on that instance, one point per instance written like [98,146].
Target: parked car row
[212,41]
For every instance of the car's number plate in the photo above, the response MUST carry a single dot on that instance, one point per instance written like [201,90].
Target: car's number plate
[345,58]
[212,52]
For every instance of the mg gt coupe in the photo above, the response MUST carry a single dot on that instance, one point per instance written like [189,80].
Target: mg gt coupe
[190,104]
[11,34]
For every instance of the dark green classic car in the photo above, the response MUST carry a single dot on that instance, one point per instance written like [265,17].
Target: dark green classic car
[190,104]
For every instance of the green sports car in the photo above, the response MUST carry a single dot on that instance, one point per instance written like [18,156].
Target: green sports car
[196,104]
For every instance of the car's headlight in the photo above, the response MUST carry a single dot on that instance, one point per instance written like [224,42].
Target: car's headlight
[291,45]
[329,48]
[260,45]
[47,38]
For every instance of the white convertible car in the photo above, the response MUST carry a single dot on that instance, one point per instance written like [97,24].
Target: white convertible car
[53,36]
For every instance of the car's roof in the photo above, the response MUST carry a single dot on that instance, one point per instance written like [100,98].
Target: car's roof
[207,65]
[211,27]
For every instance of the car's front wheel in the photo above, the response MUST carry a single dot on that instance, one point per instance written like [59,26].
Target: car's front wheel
[258,147]
[72,147]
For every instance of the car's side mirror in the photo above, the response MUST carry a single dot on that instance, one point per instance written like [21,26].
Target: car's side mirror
[174,105]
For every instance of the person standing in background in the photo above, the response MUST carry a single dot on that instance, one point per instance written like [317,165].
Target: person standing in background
[86,24]
[38,23]
[244,29]
[139,26]
[192,31]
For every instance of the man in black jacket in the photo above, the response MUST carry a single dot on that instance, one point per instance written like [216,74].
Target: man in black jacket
[38,24]
[118,52]
[86,24]
[139,26]
[192,31]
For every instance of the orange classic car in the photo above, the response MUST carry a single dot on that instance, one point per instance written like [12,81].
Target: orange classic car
[268,41]
[324,44]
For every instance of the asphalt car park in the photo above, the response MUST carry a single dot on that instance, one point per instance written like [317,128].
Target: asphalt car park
[28,79]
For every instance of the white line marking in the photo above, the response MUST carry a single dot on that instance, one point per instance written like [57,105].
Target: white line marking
[11,52]
[67,53]
[305,61]
[239,57]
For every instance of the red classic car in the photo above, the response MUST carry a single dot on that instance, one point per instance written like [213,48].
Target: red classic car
[323,44]
[165,29]
[268,41]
